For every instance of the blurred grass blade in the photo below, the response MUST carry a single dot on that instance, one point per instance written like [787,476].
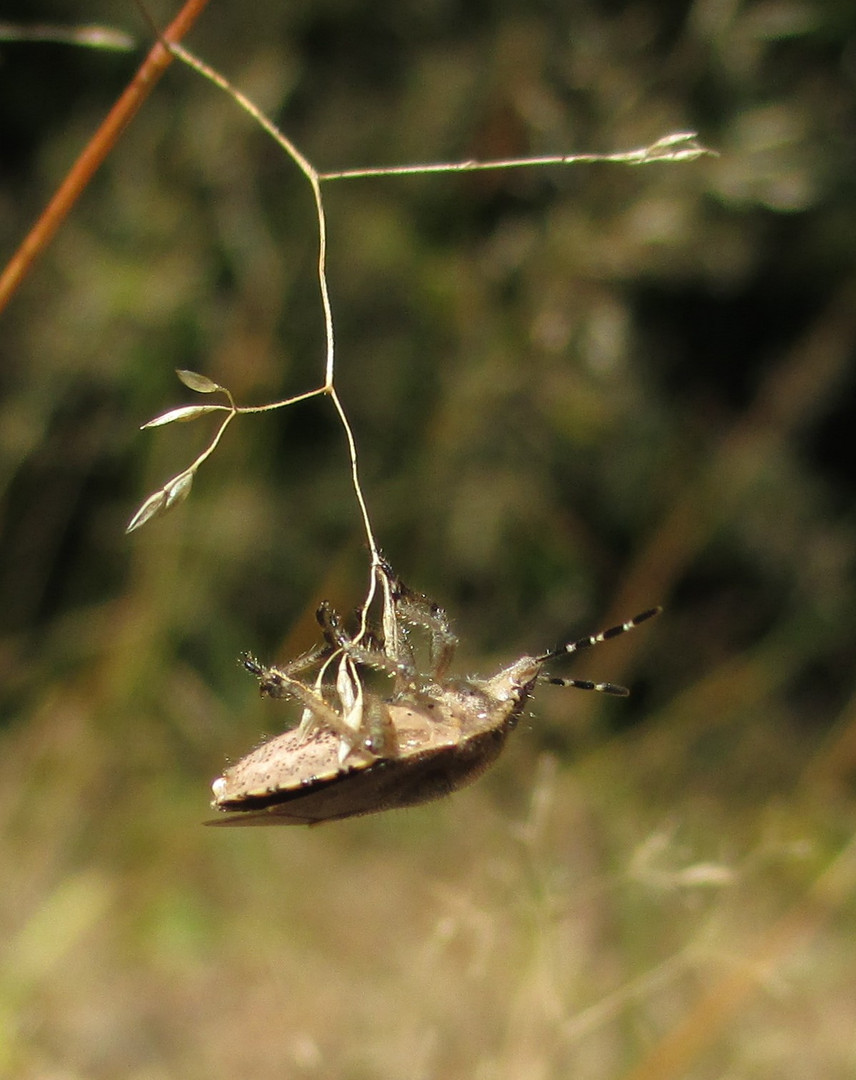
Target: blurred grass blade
[93,37]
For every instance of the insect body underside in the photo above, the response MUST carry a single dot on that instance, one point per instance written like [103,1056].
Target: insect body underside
[356,753]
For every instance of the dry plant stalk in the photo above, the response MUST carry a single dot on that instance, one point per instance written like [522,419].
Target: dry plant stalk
[99,146]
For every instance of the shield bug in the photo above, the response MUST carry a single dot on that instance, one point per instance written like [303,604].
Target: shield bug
[356,752]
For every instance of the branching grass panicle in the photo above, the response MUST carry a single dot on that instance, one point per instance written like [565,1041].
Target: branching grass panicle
[675,147]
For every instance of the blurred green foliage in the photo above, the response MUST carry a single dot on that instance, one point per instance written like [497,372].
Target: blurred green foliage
[576,392]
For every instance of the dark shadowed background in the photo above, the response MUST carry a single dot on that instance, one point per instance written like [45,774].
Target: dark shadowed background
[576,392]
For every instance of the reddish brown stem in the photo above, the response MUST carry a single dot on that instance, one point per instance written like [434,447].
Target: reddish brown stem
[96,150]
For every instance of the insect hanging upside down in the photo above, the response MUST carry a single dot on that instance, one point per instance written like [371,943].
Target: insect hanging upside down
[356,752]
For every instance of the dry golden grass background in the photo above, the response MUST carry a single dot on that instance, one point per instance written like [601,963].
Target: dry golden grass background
[576,393]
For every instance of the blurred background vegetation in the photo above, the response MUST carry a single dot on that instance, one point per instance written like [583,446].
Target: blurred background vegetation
[576,392]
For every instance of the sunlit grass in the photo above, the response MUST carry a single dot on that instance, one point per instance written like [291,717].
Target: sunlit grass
[553,920]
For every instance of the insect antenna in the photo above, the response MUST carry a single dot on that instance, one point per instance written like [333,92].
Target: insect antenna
[586,643]
[584,684]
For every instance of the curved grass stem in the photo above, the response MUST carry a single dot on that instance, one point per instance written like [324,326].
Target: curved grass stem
[680,146]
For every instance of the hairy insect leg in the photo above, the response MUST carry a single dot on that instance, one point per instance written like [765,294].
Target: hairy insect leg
[330,622]
[394,643]
[417,610]
[378,659]
[381,736]
[277,683]
[291,668]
